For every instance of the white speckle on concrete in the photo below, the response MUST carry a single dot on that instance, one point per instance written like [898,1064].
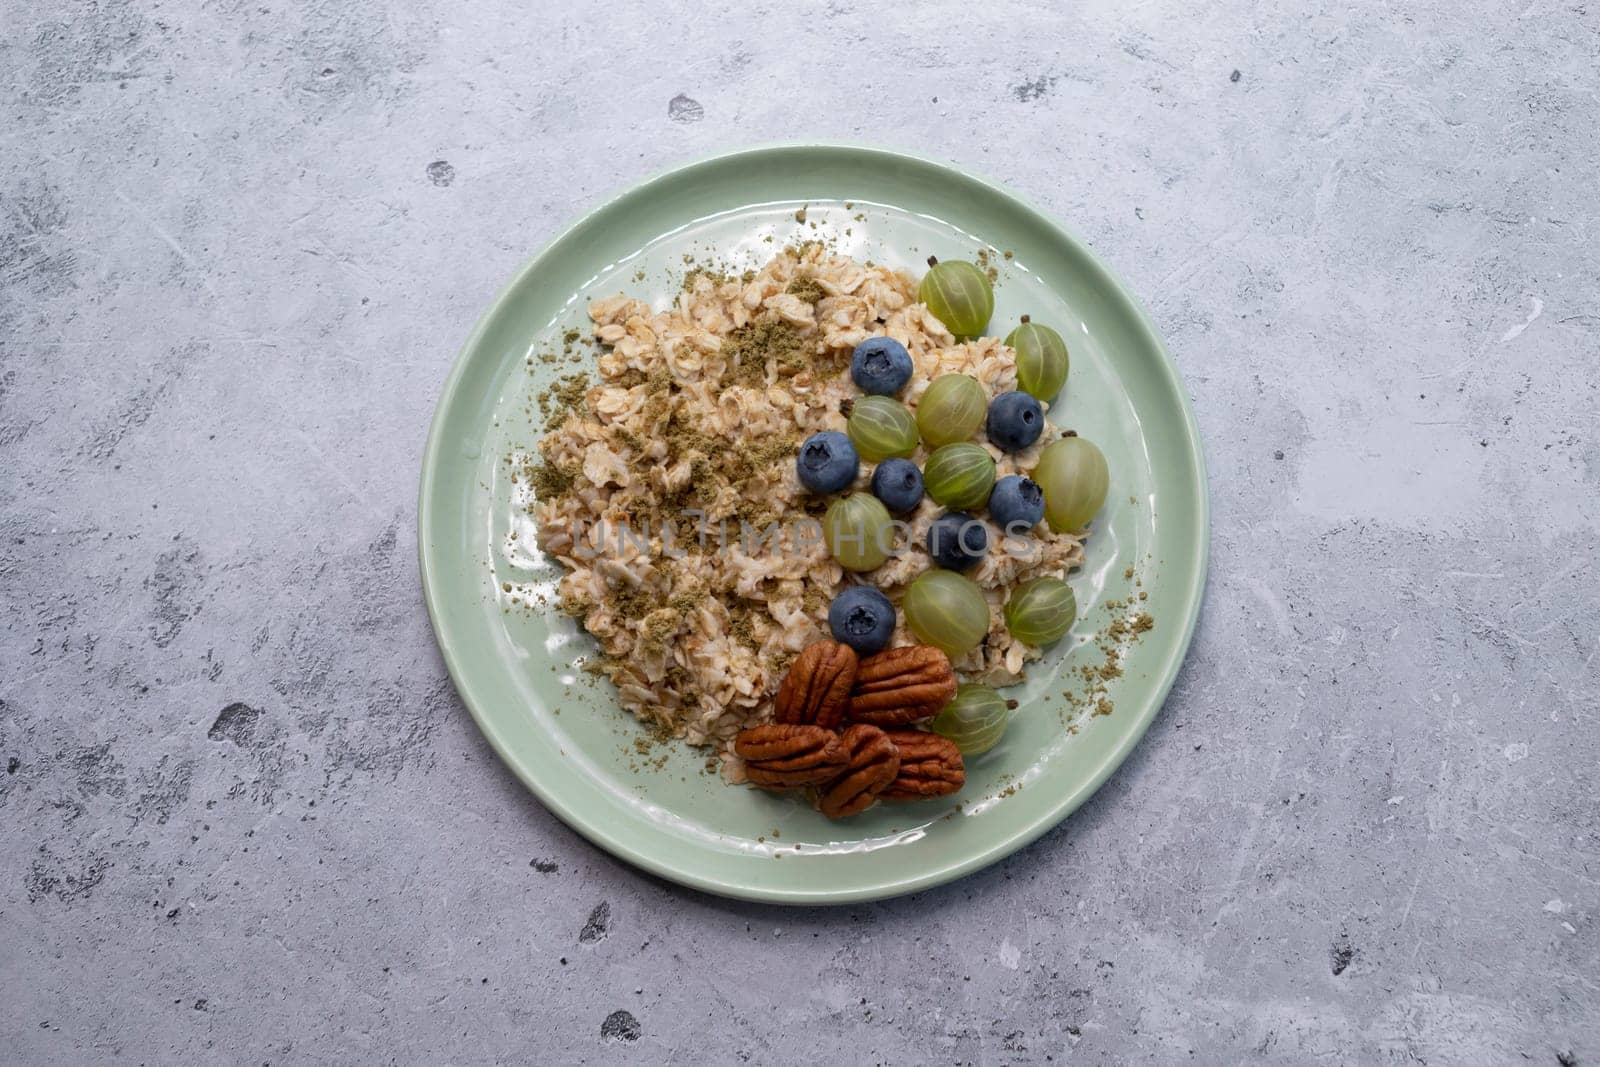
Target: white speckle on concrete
[1010,955]
[1516,752]
[1274,605]
[1536,309]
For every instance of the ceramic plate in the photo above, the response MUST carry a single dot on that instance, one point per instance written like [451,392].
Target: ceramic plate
[518,667]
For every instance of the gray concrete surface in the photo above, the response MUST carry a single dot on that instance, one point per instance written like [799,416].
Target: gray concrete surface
[243,818]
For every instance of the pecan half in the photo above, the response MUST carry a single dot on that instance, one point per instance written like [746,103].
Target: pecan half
[874,762]
[901,685]
[780,756]
[930,766]
[816,691]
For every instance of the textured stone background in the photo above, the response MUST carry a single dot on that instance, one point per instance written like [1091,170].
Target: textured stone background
[243,817]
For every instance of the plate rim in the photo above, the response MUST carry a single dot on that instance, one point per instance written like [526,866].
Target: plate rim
[593,831]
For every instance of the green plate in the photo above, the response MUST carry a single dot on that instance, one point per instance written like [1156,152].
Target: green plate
[517,666]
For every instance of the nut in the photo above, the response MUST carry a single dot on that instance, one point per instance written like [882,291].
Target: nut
[901,685]
[816,691]
[930,766]
[778,756]
[874,762]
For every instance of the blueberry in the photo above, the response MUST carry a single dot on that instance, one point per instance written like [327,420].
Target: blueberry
[880,366]
[1016,501]
[827,462]
[862,618]
[1015,421]
[956,540]
[898,483]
